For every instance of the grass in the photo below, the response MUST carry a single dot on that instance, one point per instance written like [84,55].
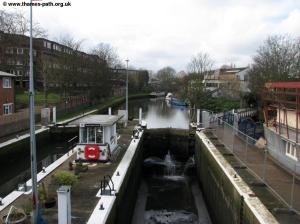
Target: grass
[39,97]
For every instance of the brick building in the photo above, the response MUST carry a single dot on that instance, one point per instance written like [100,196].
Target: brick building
[7,95]
[55,65]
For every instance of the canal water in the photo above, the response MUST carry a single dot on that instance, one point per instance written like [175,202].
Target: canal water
[160,114]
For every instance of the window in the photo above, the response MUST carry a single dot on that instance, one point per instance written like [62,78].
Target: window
[291,150]
[7,108]
[9,50]
[49,45]
[19,62]
[6,82]
[19,73]
[91,135]
[10,61]
[20,51]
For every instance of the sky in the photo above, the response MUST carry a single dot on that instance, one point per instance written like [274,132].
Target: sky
[153,34]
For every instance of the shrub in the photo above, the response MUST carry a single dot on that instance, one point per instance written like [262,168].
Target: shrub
[66,178]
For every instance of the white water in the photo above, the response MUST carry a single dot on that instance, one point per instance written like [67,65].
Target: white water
[170,168]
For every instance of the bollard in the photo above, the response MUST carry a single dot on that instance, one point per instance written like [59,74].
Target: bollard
[198,117]
[140,116]
[109,111]
[101,206]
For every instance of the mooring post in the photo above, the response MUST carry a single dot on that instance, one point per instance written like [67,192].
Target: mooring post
[198,117]
[54,115]
[109,111]
[140,116]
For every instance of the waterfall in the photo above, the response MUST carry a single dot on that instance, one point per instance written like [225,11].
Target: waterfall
[170,167]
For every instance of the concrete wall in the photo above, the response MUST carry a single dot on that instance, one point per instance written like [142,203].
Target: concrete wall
[225,200]
[123,207]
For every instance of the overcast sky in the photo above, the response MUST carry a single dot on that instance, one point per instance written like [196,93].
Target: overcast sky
[157,33]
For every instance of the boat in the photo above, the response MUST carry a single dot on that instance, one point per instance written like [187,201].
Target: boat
[157,94]
[169,96]
[177,102]
[97,137]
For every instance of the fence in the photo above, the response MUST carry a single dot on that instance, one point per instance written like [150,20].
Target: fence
[17,122]
[283,183]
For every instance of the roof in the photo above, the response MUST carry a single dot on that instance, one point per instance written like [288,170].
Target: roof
[101,119]
[292,85]
[7,74]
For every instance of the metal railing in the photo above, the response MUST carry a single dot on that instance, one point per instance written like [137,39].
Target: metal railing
[107,185]
[283,183]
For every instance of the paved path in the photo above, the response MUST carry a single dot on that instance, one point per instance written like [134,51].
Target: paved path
[275,176]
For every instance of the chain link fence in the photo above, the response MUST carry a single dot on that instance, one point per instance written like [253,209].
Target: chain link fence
[284,183]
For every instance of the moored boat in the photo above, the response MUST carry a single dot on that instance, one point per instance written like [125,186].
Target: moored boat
[169,96]
[177,102]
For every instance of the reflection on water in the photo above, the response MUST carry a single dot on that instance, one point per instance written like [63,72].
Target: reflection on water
[158,114]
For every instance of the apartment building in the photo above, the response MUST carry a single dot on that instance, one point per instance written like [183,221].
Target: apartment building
[55,65]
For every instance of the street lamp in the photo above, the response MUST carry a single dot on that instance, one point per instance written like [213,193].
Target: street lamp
[35,199]
[126,91]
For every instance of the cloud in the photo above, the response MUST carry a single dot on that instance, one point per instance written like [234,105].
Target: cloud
[154,34]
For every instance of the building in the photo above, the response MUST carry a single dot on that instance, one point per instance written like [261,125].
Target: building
[55,65]
[7,93]
[137,80]
[227,81]
[282,122]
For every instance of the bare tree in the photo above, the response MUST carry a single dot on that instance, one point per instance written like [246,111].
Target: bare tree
[109,54]
[17,23]
[278,59]
[166,76]
[200,64]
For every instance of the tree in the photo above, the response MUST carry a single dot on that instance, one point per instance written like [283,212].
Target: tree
[109,54]
[166,76]
[17,23]
[200,64]
[277,60]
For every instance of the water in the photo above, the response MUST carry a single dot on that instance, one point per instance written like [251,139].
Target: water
[158,114]
[165,193]
[170,167]
[15,166]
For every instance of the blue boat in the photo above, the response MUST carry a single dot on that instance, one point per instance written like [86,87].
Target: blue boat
[177,102]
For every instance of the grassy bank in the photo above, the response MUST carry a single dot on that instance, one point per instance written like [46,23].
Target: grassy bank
[39,98]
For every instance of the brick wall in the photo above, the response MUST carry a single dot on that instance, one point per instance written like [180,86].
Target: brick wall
[6,94]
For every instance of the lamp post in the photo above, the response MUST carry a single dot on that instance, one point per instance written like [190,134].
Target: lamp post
[35,200]
[126,91]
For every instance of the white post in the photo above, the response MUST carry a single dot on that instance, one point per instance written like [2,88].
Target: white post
[140,116]
[54,115]
[198,117]
[205,119]
[64,205]
[126,92]
[109,111]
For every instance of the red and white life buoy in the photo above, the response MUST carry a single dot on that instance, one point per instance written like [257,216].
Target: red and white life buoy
[92,152]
